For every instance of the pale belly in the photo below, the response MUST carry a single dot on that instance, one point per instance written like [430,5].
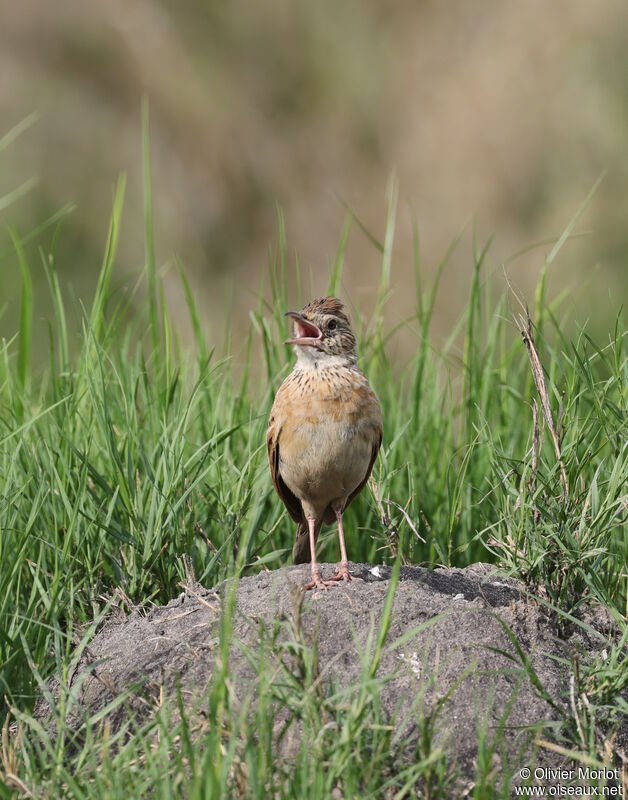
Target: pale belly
[324,464]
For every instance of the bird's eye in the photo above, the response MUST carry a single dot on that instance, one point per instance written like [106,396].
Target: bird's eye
[332,325]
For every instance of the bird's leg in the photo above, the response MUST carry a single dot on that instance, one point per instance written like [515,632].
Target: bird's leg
[343,567]
[317,581]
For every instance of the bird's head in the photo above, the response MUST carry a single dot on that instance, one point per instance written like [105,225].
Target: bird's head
[322,331]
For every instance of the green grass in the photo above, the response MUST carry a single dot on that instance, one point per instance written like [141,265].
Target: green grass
[129,459]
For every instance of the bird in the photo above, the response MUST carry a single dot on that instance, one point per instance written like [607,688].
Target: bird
[324,432]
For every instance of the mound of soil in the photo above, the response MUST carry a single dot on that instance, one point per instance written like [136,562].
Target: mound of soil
[460,625]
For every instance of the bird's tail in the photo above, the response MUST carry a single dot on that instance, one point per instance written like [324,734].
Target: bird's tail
[301,550]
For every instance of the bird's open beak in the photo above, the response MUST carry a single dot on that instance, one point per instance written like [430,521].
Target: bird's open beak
[307,334]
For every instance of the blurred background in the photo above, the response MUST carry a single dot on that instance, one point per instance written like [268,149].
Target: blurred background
[498,115]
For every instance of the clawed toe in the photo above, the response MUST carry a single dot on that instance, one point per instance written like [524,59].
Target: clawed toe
[342,575]
[317,581]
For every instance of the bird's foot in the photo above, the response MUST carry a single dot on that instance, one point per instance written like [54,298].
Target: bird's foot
[317,582]
[343,573]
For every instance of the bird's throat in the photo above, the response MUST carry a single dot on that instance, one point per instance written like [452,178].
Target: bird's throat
[315,359]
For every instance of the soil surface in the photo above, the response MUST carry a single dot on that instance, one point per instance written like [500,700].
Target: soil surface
[458,623]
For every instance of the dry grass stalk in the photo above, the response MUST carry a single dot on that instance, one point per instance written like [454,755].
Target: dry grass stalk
[525,328]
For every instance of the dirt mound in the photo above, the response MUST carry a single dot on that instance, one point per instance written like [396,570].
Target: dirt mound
[466,635]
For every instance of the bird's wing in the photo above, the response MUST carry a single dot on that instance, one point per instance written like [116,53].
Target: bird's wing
[376,445]
[288,498]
